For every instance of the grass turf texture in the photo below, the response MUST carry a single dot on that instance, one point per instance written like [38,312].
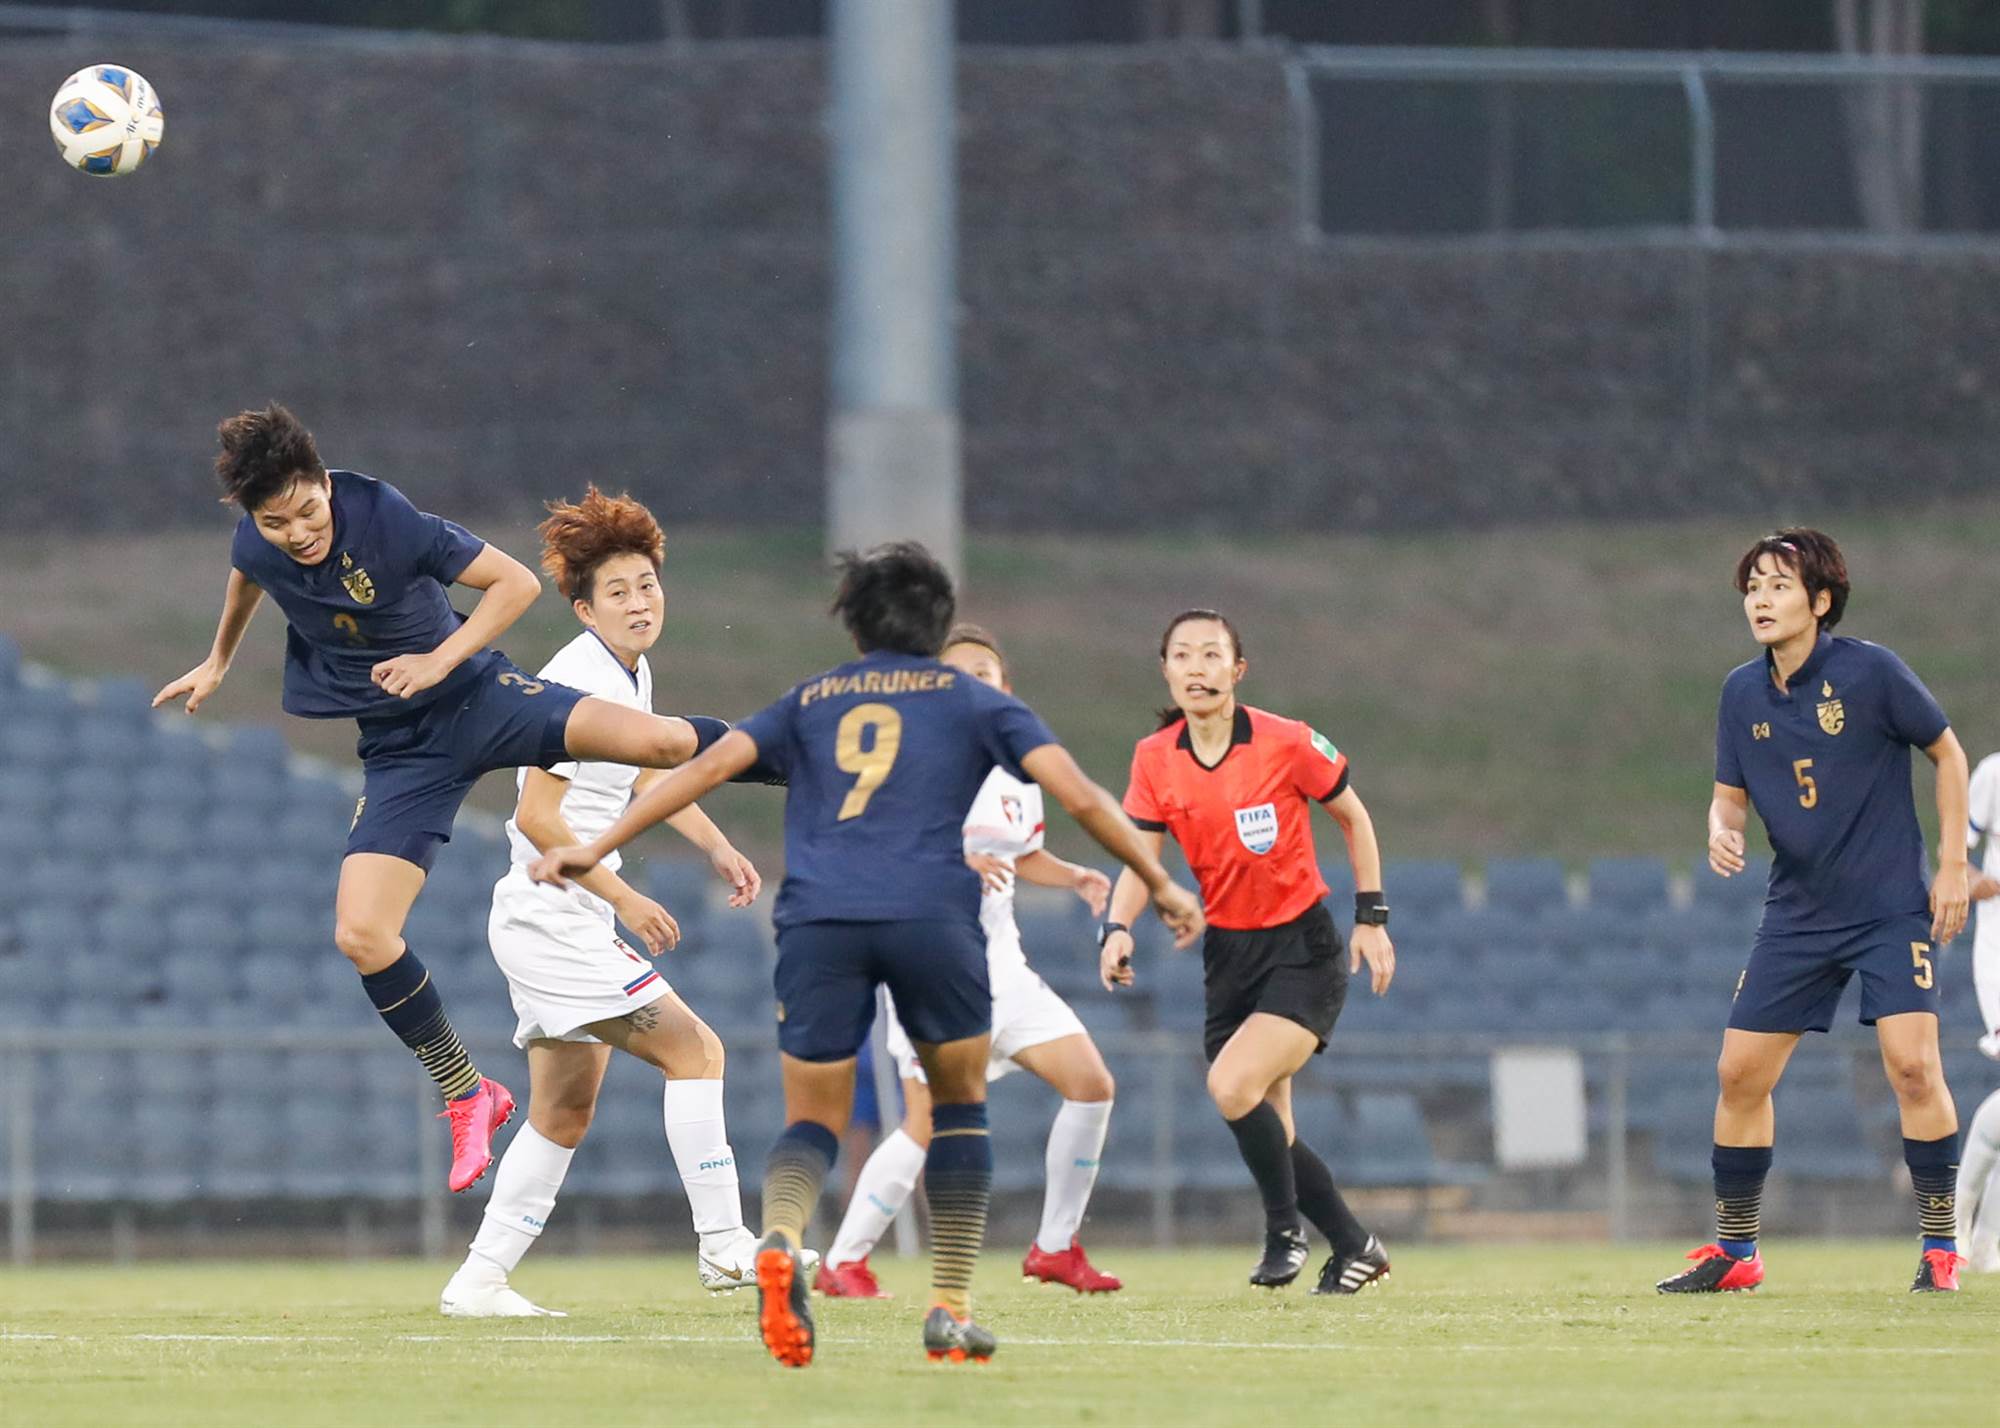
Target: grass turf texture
[1459,1335]
[1549,690]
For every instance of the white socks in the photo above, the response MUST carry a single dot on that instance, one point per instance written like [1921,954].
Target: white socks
[524,1193]
[1076,1142]
[699,1140]
[1979,1177]
[883,1189]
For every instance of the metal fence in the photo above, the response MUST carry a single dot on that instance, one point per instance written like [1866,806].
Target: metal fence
[366,1139]
[1674,147]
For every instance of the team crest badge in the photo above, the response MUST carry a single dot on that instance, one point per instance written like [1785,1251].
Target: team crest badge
[1258,827]
[1832,713]
[1011,806]
[357,581]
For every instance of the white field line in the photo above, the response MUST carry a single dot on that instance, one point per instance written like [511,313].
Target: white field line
[1234,1345]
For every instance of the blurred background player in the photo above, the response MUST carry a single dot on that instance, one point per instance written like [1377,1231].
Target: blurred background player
[1817,733]
[371,636]
[1033,1028]
[578,989]
[1979,1166]
[884,756]
[1234,786]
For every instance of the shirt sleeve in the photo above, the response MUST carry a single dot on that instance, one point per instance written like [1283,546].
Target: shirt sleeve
[1142,805]
[1909,711]
[419,541]
[1319,770]
[1013,731]
[770,729]
[1728,768]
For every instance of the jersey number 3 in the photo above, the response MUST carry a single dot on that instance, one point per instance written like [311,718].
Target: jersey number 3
[881,727]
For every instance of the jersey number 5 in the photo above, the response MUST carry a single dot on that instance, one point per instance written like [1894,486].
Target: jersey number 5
[882,727]
[1809,790]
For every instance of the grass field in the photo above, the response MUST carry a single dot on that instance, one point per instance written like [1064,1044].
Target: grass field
[1520,691]
[1457,1336]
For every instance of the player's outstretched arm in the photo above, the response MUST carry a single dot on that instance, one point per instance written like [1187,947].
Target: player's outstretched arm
[707,771]
[1950,889]
[538,815]
[1728,816]
[510,589]
[1364,854]
[239,602]
[1052,767]
[1128,900]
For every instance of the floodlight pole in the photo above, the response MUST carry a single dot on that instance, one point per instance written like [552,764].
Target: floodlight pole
[893,427]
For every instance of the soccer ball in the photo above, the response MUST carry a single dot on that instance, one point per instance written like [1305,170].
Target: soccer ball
[106,119]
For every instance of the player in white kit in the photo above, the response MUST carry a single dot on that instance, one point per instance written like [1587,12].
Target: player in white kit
[1033,1028]
[577,988]
[1979,1156]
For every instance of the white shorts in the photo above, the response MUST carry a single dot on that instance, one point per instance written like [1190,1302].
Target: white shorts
[1026,1012]
[565,964]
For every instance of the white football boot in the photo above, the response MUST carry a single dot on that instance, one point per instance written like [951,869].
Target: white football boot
[478,1296]
[730,1263]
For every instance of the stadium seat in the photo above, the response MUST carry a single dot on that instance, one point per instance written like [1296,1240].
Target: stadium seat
[168,786]
[1740,894]
[1526,886]
[10,663]
[253,787]
[1423,888]
[29,795]
[246,1141]
[124,698]
[1629,885]
[259,746]
[37,739]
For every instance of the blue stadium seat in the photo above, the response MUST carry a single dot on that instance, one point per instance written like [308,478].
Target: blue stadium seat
[273,982]
[259,745]
[93,786]
[1628,885]
[82,1144]
[125,698]
[177,751]
[1333,867]
[28,794]
[1740,894]
[169,787]
[246,1141]
[37,739]
[1423,888]
[110,740]
[1526,886]
[249,787]
[169,1150]
[310,833]
[10,662]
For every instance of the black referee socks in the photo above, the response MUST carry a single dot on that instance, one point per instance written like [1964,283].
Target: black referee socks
[1321,1202]
[1260,1138]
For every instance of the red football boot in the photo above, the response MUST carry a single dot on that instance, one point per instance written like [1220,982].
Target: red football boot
[1071,1267]
[1715,1271]
[1937,1272]
[474,1119]
[853,1280]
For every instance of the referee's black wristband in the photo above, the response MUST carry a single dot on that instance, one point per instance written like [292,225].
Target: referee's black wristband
[1370,909]
[1104,932]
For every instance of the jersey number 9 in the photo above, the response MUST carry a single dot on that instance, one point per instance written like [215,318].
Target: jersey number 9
[882,727]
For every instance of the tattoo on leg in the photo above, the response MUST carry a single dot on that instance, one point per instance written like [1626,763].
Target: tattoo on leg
[646,1018]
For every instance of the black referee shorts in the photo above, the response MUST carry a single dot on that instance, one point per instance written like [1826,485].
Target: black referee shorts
[1297,970]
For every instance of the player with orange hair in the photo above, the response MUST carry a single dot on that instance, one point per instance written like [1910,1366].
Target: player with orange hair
[578,989]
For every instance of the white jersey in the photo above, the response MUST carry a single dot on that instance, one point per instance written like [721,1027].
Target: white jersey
[1984,824]
[1006,823]
[597,792]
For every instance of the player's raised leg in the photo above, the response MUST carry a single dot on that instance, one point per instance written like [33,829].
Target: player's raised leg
[563,1082]
[1979,1188]
[1073,1068]
[1745,1127]
[958,1176]
[818,1098]
[1909,1043]
[374,899]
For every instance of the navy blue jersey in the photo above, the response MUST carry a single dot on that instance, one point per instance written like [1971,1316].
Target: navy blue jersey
[883,757]
[379,593]
[1827,767]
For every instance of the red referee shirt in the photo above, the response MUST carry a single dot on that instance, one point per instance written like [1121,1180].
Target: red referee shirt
[1245,825]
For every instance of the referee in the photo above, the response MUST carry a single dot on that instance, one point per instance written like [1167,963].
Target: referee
[1234,786]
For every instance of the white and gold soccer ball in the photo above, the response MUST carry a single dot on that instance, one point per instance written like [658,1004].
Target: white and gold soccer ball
[106,119]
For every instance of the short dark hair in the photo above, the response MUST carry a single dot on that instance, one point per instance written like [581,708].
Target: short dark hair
[894,597]
[970,634]
[1813,556]
[262,454]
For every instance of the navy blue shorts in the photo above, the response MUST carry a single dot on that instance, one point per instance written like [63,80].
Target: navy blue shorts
[828,971]
[417,768]
[1794,979]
